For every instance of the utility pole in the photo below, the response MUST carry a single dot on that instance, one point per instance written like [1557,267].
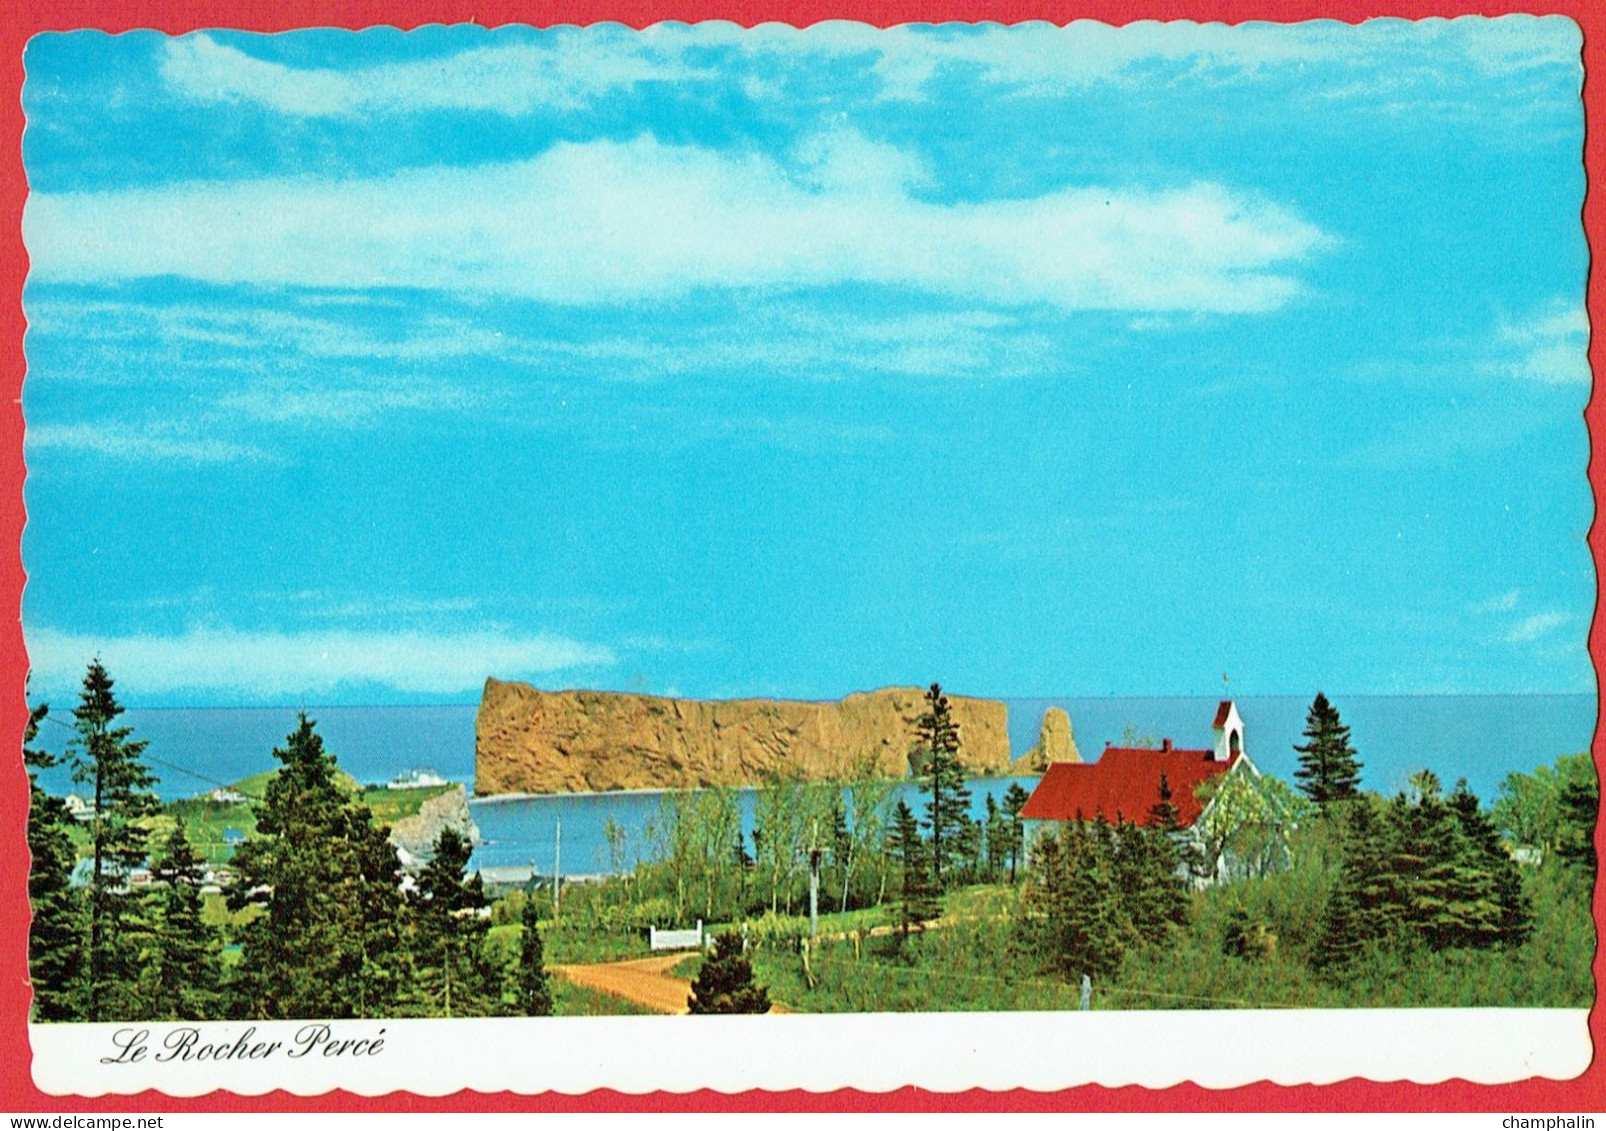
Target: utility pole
[557,868]
[814,891]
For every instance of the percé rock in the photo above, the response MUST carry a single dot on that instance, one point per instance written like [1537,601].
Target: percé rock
[415,836]
[1055,743]
[531,741]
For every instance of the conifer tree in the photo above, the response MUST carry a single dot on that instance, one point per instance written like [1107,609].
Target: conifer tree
[535,994]
[1579,811]
[56,928]
[378,964]
[108,758]
[917,899]
[296,958]
[454,974]
[948,811]
[995,838]
[1187,855]
[1072,916]
[725,983]
[1329,769]
[183,967]
[1164,814]
[1507,917]
[1015,798]
[1366,907]
[1445,901]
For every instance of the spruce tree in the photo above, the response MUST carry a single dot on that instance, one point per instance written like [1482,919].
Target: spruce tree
[1366,906]
[1015,798]
[535,993]
[296,958]
[1329,769]
[56,930]
[1579,811]
[378,962]
[1187,854]
[453,972]
[1072,915]
[995,837]
[1507,916]
[1451,900]
[725,983]
[917,899]
[108,758]
[948,811]
[183,966]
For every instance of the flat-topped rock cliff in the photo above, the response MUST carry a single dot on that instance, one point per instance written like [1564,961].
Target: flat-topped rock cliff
[532,741]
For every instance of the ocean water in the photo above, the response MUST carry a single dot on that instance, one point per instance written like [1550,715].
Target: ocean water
[522,831]
[1479,737]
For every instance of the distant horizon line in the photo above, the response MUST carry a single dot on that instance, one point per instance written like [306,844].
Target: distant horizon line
[347,706]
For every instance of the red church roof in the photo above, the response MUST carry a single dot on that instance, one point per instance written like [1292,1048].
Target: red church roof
[1124,784]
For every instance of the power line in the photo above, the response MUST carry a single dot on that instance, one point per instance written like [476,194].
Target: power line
[174,767]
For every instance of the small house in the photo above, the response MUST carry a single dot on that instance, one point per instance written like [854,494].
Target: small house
[1124,784]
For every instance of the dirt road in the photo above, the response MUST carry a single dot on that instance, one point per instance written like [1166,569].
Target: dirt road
[645,981]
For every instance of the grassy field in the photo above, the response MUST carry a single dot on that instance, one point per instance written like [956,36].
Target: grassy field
[570,1000]
[971,960]
[207,822]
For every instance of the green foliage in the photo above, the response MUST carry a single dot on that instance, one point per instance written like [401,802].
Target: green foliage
[1153,894]
[453,972]
[1244,828]
[936,755]
[570,1000]
[107,758]
[1504,915]
[56,958]
[1580,810]
[869,797]
[1529,809]
[183,965]
[918,900]
[378,958]
[1248,938]
[694,838]
[534,994]
[1328,770]
[778,830]
[725,983]
[1424,873]
[1015,799]
[1072,919]
[328,941]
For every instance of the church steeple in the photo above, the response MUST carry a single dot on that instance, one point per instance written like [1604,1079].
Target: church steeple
[1229,727]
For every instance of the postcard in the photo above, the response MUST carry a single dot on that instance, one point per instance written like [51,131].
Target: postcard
[692,556]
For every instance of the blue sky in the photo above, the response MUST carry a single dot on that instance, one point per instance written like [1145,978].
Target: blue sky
[719,362]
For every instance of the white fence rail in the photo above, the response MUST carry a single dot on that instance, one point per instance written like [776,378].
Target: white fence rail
[675,940]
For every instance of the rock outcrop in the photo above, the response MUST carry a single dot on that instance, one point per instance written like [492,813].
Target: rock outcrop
[1055,743]
[415,836]
[531,741]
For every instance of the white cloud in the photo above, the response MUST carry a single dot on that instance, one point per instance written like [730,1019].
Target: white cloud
[567,72]
[1552,347]
[608,222]
[1534,627]
[571,67]
[347,407]
[286,665]
[139,444]
[1501,603]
